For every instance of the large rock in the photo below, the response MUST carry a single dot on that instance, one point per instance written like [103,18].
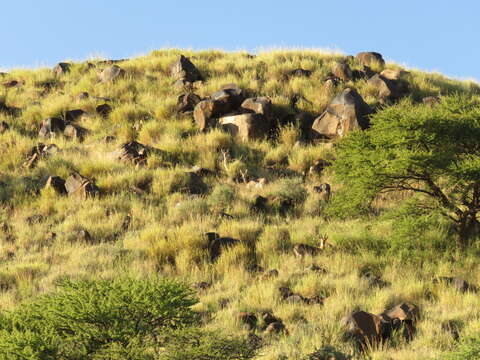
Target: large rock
[111,73]
[133,152]
[346,112]
[207,112]
[259,105]
[388,89]
[103,110]
[61,68]
[403,311]
[51,126]
[74,132]
[187,102]
[230,95]
[57,184]
[246,126]
[369,58]
[74,115]
[342,71]
[80,186]
[183,69]
[364,327]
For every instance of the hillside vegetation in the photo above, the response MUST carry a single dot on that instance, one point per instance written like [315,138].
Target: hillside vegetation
[293,250]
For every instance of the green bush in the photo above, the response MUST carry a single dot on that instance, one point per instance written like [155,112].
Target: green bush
[119,319]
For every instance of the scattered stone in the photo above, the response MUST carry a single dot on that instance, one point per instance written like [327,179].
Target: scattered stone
[458,284]
[207,112]
[259,105]
[318,166]
[329,84]
[365,328]
[248,319]
[342,71]
[61,68]
[202,285]
[346,112]
[276,328]
[57,184]
[74,132]
[187,102]
[327,353]
[111,73]
[82,96]
[316,268]
[74,115]
[298,72]
[268,318]
[133,152]
[183,69]
[230,95]
[217,244]
[11,84]
[369,58]
[270,274]
[403,311]
[39,151]
[51,126]
[3,127]
[404,316]
[431,100]
[388,89]
[78,185]
[245,126]
[394,75]
[103,110]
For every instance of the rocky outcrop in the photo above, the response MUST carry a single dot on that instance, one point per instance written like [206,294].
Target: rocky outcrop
[57,184]
[80,186]
[245,126]
[369,58]
[111,73]
[61,68]
[342,71]
[388,89]
[183,69]
[345,113]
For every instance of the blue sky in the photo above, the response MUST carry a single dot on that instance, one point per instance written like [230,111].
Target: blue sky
[439,35]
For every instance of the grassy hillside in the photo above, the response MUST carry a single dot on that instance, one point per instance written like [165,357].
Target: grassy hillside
[143,224]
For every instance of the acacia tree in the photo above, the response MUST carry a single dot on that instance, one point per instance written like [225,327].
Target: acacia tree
[430,151]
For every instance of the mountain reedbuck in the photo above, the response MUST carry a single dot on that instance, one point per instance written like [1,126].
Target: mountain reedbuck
[301,250]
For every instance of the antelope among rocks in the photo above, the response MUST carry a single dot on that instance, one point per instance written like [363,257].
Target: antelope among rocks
[301,250]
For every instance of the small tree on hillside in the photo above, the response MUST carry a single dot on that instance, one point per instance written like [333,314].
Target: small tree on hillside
[431,151]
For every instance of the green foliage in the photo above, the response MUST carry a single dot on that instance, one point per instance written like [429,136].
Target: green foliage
[194,344]
[432,151]
[119,319]
[468,350]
